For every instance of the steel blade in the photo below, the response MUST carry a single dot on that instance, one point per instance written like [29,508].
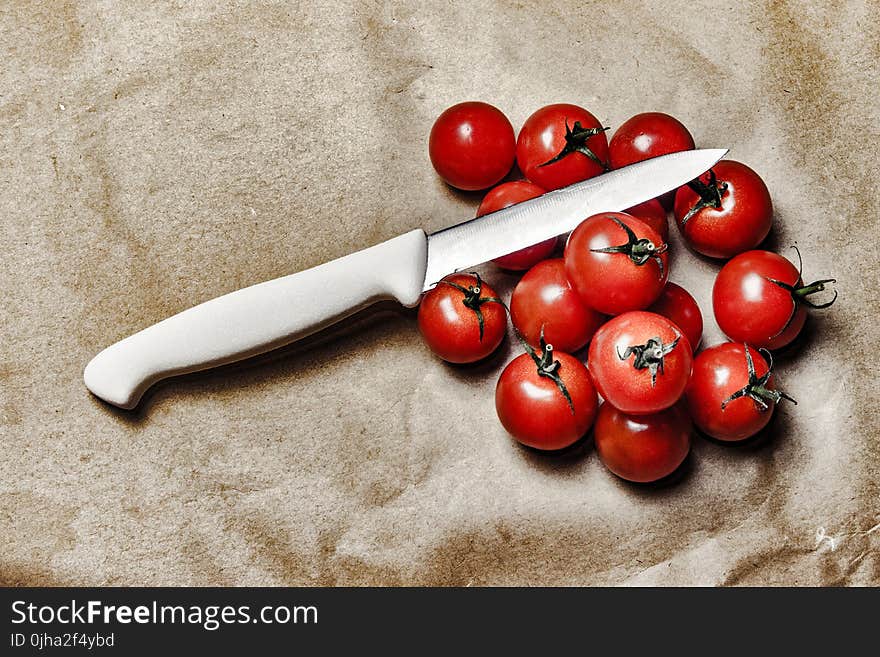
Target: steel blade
[530,222]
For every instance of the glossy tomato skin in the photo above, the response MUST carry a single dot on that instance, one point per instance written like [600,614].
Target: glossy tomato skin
[544,298]
[750,308]
[451,329]
[611,283]
[676,304]
[617,379]
[719,372]
[505,195]
[648,135]
[741,223]
[542,138]
[653,214]
[534,410]
[472,145]
[642,448]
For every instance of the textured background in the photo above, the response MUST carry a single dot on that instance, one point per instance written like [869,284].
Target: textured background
[155,157]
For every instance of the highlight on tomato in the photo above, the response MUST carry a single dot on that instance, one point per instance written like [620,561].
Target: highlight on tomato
[724,212]
[616,262]
[472,145]
[546,400]
[462,319]
[648,135]
[640,362]
[760,298]
[642,448]
[561,144]
[732,393]
[544,302]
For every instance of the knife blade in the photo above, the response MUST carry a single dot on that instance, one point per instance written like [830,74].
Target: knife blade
[262,317]
[560,211]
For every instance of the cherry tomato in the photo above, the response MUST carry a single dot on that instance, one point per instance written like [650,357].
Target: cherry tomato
[546,400]
[462,319]
[724,212]
[676,304]
[649,135]
[505,195]
[472,145]
[759,298]
[616,263]
[731,394]
[640,362]
[642,448]
[544,300]
[561,144]
[653,214]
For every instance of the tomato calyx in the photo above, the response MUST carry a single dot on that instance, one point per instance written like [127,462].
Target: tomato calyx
[548,366]
[576,142]
[649,356]
[473,299]
[710,195]
[639,250]
[756,389]
[799,294]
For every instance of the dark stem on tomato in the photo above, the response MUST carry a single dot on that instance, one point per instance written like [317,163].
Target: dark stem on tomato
[548,367]
[576,142]
[756,389]
[650,355]
[799,294]
[473,300]
[639,250]
[710,195]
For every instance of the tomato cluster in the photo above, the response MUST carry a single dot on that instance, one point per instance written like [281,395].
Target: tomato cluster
[607,300]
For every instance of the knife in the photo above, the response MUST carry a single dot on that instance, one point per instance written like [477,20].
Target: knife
[271,314]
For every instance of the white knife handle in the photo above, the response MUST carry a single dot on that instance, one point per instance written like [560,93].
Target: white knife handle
[259,318]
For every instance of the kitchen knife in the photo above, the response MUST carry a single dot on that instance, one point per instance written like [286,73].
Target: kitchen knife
[268,315]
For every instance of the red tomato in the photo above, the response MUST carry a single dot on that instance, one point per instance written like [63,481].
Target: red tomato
[759,298]
[462,319]
[616,263]
[544,300]
[642,448]
[472,145]
[649,135]
[653,214]
[505,195]
[724,212]
[731,394]
[561,144]
[676,303]
[546,403]
[640,362]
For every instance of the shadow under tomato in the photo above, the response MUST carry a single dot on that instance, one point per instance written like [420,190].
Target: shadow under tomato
[470,197]
[555,461]
[504,352]
[767,438]
[774,242]
[674,478]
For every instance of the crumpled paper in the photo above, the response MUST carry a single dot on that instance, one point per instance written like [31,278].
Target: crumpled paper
[154,157]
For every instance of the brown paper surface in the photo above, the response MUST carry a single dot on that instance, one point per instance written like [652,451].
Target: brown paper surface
[153,157]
